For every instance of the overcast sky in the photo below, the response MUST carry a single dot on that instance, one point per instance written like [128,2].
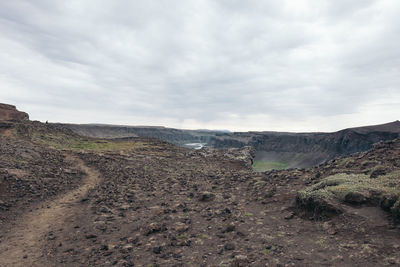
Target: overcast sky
[304,65]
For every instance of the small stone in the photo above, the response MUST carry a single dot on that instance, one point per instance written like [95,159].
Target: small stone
[230,228]
[207,196]
[90,236]
[124,207]
[133,240]
[240,261]
[128,247]
[68,250]
[181,227]
[226,211]
[289,216]
[229,246]
[157,250]
[332,231]
[155,228]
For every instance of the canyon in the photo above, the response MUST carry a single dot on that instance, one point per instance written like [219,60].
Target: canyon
[297,150]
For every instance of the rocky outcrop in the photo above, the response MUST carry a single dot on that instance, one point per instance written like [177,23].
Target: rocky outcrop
[245,155]
[10,113]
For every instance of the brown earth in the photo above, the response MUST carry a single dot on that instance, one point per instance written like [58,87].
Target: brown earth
[154,204]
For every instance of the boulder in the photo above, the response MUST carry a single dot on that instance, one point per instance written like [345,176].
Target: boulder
[388,201]
[355,198]
[317,207]
[206,196]
[378,172]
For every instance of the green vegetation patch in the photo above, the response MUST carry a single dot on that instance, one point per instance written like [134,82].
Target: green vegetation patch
[61,139]
[260,166]
[72,143]
[356,189]
[338,186]
[102,145]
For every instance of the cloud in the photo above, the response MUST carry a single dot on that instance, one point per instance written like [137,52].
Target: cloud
[239,65]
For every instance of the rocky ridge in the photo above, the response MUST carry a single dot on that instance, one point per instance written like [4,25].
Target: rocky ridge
[10,113]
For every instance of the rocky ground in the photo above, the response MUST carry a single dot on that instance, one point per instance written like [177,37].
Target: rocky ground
[142,202]
[31,174]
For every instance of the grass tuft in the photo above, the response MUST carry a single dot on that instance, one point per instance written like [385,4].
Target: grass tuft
[261,166]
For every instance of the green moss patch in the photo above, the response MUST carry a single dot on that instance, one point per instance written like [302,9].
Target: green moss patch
[103,145]
[260,166]
[59,138]
[86,144]
[354,189]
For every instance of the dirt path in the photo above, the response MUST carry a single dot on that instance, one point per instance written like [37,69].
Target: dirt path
[22,246]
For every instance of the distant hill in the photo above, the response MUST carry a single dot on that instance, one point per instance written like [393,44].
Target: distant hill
[392,127]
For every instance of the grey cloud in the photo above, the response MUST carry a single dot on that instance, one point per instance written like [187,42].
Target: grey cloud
[203,61]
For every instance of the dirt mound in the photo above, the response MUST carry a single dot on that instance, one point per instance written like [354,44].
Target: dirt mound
[10,113]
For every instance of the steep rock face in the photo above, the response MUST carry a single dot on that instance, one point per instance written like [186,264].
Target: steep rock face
[308,149]
[10,113]
[339,143]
